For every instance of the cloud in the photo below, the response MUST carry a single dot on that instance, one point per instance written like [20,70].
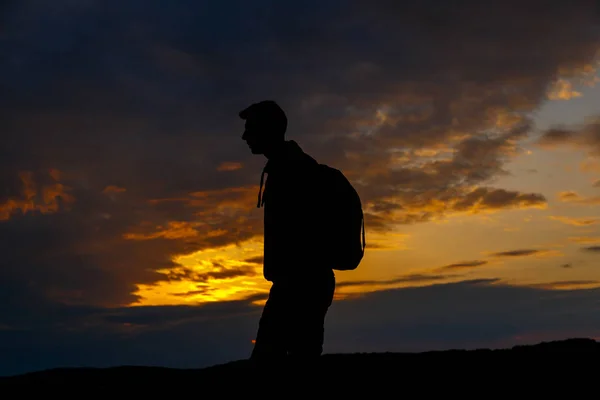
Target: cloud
[592,249]
[575,284]
[413,206]
[217,272]
[586,137]
[45,197]
[562,89]
[229,166]
[555,136]
[465,265]
[597,183]
[585,239]
[411,278]
[576,221]
[110,189]
[255,260]
[518,253]
[574,197]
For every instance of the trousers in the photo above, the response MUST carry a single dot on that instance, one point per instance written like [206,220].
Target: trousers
[293,318]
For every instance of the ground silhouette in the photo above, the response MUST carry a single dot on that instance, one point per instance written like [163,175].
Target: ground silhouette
[351,371]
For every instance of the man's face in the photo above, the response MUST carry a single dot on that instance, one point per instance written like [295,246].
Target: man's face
[254,137]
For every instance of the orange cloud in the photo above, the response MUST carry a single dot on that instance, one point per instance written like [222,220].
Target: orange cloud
[585,239]
[353,289]
[586,74]
[113,189]
[218,217]
[387,241]
[525,253]
[465,265]
[409,208]
[562,89]
[576,221]
[567,285]
[212,200]
[173,230]
[574,197]
[230,272]
[45,199]
[229,166]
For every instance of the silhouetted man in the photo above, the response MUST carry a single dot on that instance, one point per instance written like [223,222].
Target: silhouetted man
[292,322]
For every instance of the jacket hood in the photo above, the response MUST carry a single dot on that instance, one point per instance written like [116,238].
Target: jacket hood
[291,155]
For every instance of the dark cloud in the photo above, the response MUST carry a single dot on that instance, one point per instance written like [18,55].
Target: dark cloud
[518,253]
[414,278]
[466,264]
[555,136]
[593,249]
[255,260]
[572,284]
[586,137]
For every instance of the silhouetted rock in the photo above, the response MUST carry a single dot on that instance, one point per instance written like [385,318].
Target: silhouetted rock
[359,370]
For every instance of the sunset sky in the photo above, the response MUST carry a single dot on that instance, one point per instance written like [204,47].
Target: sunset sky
[129,230]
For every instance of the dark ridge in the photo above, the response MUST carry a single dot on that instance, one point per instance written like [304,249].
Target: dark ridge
[360,369]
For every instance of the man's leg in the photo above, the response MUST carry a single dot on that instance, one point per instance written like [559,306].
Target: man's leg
[310,304]
[270,338]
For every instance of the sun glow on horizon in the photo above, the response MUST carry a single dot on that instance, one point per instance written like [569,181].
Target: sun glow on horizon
[232,272]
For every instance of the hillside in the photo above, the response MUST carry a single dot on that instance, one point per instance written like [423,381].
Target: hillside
[362,369]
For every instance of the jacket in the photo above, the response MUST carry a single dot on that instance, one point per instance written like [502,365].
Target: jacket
[291,244]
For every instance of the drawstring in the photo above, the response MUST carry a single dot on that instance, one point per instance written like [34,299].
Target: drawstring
[364,242]
[261,200]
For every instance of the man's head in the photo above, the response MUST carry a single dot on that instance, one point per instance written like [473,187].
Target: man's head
[265,127]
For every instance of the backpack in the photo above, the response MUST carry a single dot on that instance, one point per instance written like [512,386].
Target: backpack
[342,221]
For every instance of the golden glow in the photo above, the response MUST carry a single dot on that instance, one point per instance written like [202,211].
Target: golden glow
[215,274]
[173,230]
[385,241]
[562,89]
[229,166]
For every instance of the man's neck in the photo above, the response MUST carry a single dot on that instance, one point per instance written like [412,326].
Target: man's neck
[276,151]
